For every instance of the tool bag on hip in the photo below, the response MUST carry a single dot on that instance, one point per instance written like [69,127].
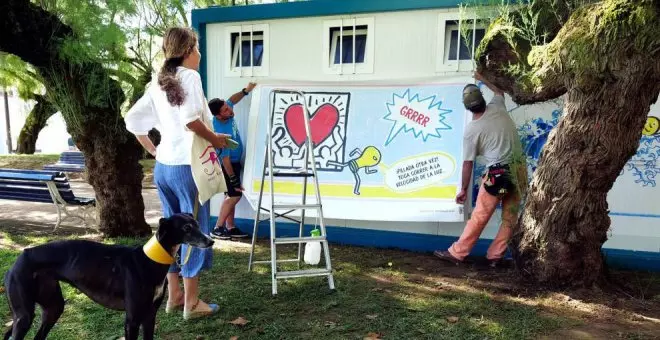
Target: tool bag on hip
[497,180]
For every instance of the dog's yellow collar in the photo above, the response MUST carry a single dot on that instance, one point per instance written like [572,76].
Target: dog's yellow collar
[155,251]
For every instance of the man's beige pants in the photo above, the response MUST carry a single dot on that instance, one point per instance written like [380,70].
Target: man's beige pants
[484,209]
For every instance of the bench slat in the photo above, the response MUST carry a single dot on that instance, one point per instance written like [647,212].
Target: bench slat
[18,197]
[41,196]
[27,176]
[34,184]
[37,193]
[32,171]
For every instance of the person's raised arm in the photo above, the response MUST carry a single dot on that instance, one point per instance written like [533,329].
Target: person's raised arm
[490,85]
[236,97]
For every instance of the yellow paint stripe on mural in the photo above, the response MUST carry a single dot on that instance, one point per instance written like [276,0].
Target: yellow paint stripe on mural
[346,190]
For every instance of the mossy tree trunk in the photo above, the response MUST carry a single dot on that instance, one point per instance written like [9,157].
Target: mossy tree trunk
[34,123]
[604,58]
[89,100]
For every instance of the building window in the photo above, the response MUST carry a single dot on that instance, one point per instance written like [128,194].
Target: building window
[348,46]
[460,46]
[247,51]
[458,40]
[251,49]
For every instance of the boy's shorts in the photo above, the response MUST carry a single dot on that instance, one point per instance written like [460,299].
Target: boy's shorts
[231,192]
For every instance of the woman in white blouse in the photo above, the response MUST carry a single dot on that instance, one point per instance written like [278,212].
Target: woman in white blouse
[176,104]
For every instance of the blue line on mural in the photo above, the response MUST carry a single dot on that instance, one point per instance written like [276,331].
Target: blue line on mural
[644,164]
[423,117]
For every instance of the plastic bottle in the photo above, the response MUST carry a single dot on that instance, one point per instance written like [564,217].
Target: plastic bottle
[313,249]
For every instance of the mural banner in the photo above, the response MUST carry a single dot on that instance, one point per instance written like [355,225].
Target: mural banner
[383,152]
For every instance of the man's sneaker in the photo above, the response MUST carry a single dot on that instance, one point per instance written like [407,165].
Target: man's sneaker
[221,233]
[236,233]
[447,256]
[226,234]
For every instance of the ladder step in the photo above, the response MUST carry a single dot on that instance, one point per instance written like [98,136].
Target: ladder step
[293,240]
[292,173]
[302,273]
[296,206]
[278,261]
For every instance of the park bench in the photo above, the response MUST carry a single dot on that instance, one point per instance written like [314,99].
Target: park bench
[70,161]
[47,187]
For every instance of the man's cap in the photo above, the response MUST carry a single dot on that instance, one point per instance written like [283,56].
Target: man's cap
[472,97]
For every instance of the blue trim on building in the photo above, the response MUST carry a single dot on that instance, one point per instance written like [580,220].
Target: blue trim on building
[616,258]
[314,8]
[200,28]
[634,215]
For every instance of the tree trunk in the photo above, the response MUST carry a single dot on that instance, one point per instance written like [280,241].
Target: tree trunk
[565,221]
[604,58]
[113,169]
[34,123]
[90,102]
[154,136]
[7,120]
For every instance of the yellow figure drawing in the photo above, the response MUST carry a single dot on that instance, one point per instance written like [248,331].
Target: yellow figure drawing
[367,159]
[652,126]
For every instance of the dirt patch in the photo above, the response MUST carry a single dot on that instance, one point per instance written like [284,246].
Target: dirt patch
[629,307]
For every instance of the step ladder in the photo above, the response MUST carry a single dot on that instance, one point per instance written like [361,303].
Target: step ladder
[273,209]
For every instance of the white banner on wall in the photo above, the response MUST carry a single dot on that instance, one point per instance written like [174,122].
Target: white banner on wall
[383,152]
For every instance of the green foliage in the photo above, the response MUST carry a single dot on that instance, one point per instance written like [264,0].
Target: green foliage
[573,37]
[14,72]
[96,23]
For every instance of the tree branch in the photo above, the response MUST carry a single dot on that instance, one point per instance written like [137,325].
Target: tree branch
[515,55]
[24,22]
[509,70]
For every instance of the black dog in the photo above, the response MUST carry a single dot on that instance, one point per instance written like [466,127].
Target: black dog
[117,277]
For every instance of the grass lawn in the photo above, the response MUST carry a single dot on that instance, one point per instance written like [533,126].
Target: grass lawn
[384,294]
[27,161]
[372,297]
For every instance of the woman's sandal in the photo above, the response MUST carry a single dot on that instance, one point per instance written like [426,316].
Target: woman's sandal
[194,313]
[171,307]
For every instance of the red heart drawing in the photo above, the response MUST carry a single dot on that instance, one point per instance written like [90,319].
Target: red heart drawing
[322,122]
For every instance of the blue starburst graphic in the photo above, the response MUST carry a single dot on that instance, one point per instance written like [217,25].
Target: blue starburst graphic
[424,117]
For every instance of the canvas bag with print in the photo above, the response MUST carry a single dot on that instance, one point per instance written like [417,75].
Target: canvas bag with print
[205,164]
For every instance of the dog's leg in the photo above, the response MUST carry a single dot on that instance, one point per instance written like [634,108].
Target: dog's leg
[135,313]
[19,286]
[148,325]
[131,327]
[52,304]
[149,322]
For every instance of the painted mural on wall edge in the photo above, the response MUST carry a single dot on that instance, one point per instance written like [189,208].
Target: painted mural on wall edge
[643,167]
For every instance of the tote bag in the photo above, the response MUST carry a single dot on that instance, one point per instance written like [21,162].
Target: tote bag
[205,165]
